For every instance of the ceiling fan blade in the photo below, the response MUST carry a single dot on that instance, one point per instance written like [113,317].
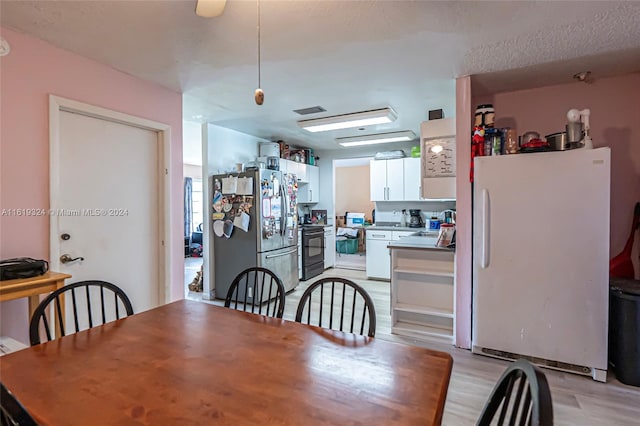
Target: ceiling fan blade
[210,8]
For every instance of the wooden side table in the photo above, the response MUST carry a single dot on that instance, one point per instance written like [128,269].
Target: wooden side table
[32,288]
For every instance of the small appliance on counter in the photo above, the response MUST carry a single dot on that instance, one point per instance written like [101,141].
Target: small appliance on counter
[273,163]
[558,141]
[415,218]
[573,129]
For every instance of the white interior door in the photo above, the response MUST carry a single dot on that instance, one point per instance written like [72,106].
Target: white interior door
[107,206]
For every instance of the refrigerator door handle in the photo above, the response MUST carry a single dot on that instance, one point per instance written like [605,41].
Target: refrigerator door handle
[485,229]
[283,210]
[271,256]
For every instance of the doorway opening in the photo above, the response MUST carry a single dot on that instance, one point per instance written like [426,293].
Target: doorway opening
[194,208]
[352,199]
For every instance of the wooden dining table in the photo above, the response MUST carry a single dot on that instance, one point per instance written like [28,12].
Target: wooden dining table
[189,362]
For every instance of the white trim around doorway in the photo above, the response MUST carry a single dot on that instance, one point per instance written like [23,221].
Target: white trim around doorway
[58,104]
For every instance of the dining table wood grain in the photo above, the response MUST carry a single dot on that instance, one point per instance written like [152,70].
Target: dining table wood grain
[188,363]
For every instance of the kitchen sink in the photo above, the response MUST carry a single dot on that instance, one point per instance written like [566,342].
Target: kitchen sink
[431,234]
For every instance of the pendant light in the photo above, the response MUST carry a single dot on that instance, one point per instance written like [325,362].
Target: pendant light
[258,96]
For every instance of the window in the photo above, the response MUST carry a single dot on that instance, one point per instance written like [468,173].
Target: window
[197,209]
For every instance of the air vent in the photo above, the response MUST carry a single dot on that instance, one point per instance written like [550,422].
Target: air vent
[310,110]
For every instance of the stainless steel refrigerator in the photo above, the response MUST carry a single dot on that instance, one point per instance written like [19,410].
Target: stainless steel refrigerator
[267,199]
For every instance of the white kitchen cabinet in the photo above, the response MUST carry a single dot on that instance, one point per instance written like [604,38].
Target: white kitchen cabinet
[396,235]
[378,259]
[309,192]
[298,169]
[387,180]
[422,293]
[412,187]
[378,256]
[329,247]
[284,165]
[378,180]
[303,172]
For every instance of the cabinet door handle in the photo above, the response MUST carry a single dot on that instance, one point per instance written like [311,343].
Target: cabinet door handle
[311,194]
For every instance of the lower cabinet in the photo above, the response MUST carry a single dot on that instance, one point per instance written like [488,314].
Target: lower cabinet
[378,257]
[329,247]
[422,293]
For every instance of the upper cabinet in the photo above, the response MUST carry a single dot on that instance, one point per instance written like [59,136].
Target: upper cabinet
[412,180]
[309,191]
[438,158]
[308,180]
[387,180]
[395,180]
[298,169]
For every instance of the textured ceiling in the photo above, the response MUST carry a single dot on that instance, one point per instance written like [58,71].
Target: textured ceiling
[343,55]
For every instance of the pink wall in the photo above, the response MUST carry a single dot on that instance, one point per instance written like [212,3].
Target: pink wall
[615,122]
[464,213]
[32,71]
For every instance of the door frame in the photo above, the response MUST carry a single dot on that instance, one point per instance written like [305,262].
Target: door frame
[340,163]
[57,105]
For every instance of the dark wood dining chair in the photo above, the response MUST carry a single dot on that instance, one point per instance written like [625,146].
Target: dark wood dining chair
[82,294]
[341,305]
[12,413]
[258,289]
[521,397]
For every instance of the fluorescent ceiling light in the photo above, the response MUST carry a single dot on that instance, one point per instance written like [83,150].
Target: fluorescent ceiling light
[377,138]
[346,121]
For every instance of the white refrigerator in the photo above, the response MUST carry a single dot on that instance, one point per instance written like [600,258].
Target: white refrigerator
[541,258]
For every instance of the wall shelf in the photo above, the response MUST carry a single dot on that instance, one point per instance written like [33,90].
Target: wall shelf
[421,331]
[422,293]
[418,272]
[403,307]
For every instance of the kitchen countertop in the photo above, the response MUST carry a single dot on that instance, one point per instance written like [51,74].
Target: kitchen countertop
[396,228]
[422,243]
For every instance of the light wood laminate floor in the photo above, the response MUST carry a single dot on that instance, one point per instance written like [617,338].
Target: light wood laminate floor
[577,400]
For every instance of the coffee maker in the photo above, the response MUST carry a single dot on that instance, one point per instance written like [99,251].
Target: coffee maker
[415,218]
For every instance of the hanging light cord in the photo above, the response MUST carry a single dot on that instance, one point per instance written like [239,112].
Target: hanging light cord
[259,44]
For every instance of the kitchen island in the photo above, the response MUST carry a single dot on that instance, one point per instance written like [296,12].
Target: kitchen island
[422,289]
[378,237]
